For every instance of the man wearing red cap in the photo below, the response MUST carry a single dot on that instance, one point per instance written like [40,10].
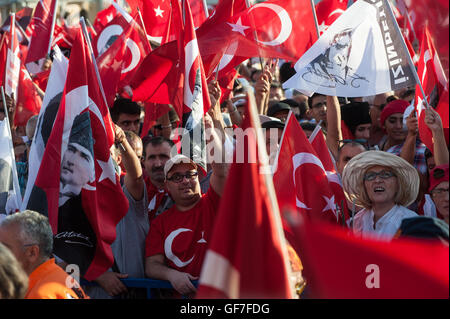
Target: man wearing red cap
[402,141]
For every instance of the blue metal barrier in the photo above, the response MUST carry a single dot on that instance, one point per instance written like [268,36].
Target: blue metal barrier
[145,283]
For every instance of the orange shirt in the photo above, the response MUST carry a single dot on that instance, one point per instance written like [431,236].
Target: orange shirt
[48,281]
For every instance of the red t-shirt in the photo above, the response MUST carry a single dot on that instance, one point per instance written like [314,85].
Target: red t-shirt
[183,237]
[154,196]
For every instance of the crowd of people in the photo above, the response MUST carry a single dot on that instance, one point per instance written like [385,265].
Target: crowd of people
[390,178]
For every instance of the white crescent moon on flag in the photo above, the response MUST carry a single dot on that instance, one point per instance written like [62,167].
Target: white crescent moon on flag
[107,33]
[304,158]
[191,52]
[286,23]
[135,56]
[168,248]
[340,11]
[226,58]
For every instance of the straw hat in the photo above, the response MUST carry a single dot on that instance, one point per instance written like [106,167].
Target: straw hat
[353,183]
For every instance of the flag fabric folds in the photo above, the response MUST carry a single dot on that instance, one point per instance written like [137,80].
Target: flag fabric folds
[360,54]
[82,197]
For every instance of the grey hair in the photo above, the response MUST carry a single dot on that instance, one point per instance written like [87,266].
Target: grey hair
[34,229]
[13,279]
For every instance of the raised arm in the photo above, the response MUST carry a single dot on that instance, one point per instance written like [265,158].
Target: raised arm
[334,133]
[134,180]
[440,150]
[408,151]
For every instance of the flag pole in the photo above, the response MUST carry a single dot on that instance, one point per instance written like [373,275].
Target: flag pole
[252,21]
[205,8]
[16,185]
[316,23]
[97,73]
[52,29]
[405,48]
[143,28]
[316,130]
[91,26]
[268,180]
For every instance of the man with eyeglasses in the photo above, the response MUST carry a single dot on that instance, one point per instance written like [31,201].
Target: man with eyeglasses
[177,240]
[318,108]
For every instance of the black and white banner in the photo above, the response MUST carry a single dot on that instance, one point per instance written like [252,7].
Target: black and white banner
[361,54]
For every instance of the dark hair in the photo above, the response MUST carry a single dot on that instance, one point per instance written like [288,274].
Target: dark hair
[308,126]
[276,85]
[155,141]
[123,105]
[286,72]
[428,154]
[131,136]
[310,99]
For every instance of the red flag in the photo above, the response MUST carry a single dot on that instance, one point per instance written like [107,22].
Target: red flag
[198,12]
[434,15]
[319,144]
[340,265]
[226,84]
[328,11]
[28,100]
[110,65]
[268,29]
[3,56]
[42,26]
[104,17]
[224,11]
[13,62]
[155,14]
[237,265]
[300,179]
[83,197]
[433,82]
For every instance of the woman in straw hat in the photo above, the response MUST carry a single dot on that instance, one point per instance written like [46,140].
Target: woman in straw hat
[384,184]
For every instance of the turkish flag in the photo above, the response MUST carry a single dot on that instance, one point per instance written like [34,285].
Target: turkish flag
[327,11]
[156,79]
[28,100]
[319,144]
[155,14]
[434,15]
[198,12]
[300,179]
[341,265]
[224,11]
[152,112]
[226,84]
[13,62]
[3,56]
[110,65]
[268,29]
[433,81]
[42,26]
[104,17]
[247,254]
[83,197]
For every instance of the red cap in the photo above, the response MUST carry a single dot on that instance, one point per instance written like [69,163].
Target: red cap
[438,175]
[396,106]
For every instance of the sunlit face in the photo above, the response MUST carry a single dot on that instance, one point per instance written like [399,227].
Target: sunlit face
[154,161]
[318,108]
[363,131]
[394,127]
[187,191]
[76,167]
[381,190]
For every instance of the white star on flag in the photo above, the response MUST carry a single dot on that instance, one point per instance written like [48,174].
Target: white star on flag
[109,17]
[322,27]
[159,12]
[108,171]
[238,27]
[330,204]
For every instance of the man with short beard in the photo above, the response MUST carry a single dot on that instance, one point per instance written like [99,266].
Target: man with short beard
[157,151]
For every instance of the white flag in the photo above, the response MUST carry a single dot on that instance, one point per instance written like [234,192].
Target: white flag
[361,54]
[9,183]
[53,93]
